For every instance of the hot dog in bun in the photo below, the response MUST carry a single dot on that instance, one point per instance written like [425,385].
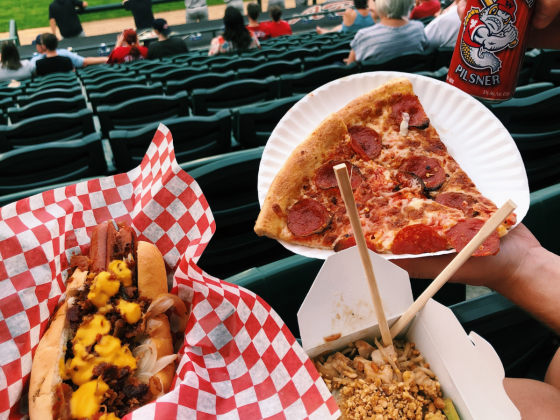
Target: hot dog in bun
[110,348]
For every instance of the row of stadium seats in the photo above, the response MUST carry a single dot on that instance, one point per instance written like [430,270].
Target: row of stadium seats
[530,119]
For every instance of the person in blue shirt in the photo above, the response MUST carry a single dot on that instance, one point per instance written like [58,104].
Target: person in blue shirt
[77,60]
[354,19]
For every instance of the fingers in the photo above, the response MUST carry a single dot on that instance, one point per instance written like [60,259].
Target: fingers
[545,12]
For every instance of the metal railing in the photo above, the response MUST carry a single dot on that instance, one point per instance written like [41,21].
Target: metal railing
[213,31]
[13,34]
[116,6]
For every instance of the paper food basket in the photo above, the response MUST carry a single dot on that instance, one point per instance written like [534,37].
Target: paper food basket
[238,361]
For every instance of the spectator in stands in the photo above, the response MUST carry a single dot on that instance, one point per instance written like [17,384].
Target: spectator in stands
[11,68]
[127,49]
[425,8]
[77,60]
[197,10]
[280,3]
[52,63]
[235,37]
[238,4]
[443,30]
[394,35]
[165,46]
[278,27]
[142,13]
[259,29]
[62,13]
[353,19]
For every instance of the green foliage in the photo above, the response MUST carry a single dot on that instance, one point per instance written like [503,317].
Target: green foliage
[35,13]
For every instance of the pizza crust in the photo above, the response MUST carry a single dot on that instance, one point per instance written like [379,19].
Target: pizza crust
[360,110]
[302,164]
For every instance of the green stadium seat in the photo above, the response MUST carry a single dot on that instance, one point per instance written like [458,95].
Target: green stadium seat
[238,63]
[254,124]
[532,89]
[233,94]
[202,81]
[176,74]
[440,75]
[533,114]
[271,68]
[10,93]
[263,51]
[42,165]
[547,68]
[6,103]
[182,58]
[283,284]
[136,113]
[113,84]
[47,106]
[50,82]
[97,79]
[212,60]
[321,44]
[143,65]
[229,186]
[542,218]
[47,128]
[292,54]
[197,163]
[124,93]
[336,46]
[291,84]
[406,63]
[500,322]
[34,95]
[442,58]
[327,59]
[193,138]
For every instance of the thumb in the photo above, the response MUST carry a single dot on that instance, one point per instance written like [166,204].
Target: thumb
[545,12]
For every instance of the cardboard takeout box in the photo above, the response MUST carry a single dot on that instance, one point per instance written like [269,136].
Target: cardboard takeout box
[468,368]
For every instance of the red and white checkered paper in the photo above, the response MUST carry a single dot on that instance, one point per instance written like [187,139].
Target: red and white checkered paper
[239,360]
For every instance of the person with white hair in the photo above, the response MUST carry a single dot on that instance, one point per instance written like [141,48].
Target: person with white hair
[393,36]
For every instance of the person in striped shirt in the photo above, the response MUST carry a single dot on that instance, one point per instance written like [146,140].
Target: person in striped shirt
[393,36]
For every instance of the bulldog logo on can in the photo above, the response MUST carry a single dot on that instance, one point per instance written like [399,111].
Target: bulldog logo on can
[487,31]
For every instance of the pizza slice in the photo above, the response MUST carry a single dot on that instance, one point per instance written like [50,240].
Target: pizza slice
[412,196]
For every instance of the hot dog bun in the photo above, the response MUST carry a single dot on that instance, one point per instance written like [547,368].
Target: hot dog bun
[152,279]
[48,368]
[44,375]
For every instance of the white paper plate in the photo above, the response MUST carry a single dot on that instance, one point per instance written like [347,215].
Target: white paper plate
[473,136]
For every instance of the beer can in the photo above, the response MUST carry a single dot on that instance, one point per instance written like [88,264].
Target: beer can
[490,48]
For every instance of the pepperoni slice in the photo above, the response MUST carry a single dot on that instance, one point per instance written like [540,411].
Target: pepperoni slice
[325,177]
[418,239]
[458,201]
[307,217]
[428,169]
[461,234]
[410,180]
[411,105]
[349,242]
[365,141]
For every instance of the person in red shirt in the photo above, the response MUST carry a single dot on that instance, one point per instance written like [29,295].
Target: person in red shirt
[425,8]
[259,29]
[278,27]
[127,49]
